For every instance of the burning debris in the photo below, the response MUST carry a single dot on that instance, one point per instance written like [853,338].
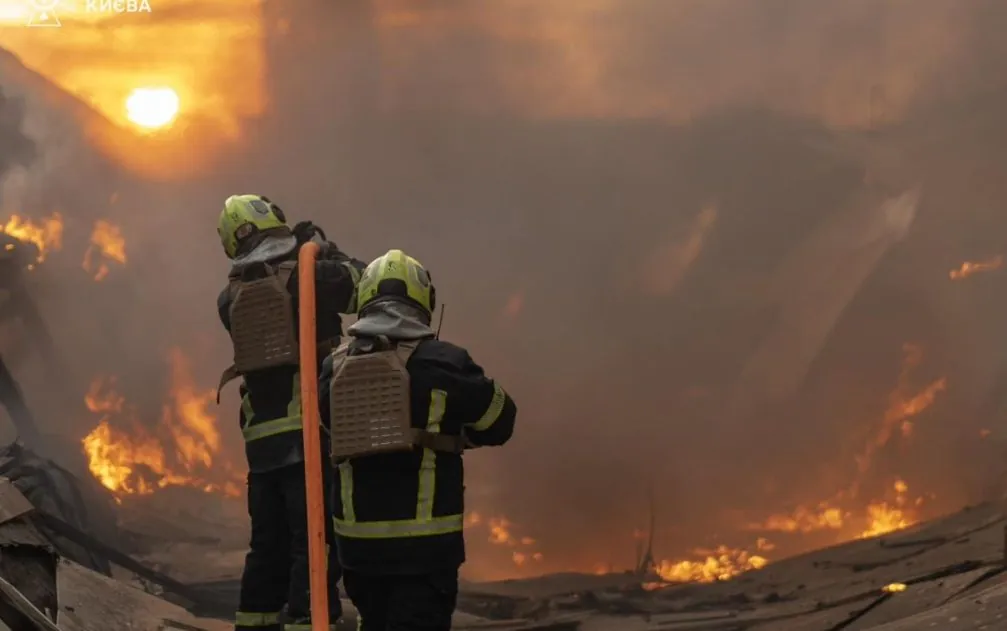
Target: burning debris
[129,457]
[45,235]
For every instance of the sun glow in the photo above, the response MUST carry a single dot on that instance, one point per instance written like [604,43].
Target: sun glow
[152,108]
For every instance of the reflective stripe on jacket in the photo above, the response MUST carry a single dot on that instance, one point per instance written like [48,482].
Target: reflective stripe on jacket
[403,512]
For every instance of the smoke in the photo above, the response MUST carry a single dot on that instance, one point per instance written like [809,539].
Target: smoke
[608,195]
[16,149]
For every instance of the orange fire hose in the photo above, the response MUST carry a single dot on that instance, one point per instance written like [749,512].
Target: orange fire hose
[317,557]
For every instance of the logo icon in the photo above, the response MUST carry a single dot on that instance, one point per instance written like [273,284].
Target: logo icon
[43,13]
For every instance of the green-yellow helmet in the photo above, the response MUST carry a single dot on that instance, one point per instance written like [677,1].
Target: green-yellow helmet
[397,276]
[244,216]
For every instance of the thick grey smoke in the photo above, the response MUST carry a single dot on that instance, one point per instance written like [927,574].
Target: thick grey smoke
[608,195]
[554,166]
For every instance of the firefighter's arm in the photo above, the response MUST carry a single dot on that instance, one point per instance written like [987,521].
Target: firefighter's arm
[336,280]
[489,411]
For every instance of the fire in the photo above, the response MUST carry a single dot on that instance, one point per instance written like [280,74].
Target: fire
[886,518]
[46,234]
[208,41]
[179,451]
[719,564]
[902,408]
[152,108]
[803,520]
[842,512]
[969,268]
[878,518]
[107,244]
[501,532]
[722,563]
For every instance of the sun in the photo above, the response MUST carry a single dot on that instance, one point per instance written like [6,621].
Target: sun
[152,108]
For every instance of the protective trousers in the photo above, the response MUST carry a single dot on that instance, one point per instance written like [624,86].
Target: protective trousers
[420,602]
[276,567]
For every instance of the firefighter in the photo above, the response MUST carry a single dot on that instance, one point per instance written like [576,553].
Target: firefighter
[402,406]
[259,310]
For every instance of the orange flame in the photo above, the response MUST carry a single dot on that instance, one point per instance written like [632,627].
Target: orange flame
[803,520]
[179,451]
[46,234]
[901,409]
[968,268]
[501,532]
[107,244]
[881,517]
[719,564]
[886,518]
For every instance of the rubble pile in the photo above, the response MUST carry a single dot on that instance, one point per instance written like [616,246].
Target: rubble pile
[951,571]
[56,574]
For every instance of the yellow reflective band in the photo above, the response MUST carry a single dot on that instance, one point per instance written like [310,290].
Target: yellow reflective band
[355,275]
[249,619]
[493,411]
[354,272]
[272,428]
[246,409]
[346,491]
[428,465]
[294,407]
[289,423]
[402,528]
[424,524]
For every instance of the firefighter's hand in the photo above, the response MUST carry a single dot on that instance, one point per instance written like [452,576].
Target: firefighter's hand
[304,230]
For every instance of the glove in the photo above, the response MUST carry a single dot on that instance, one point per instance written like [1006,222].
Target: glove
[304,231]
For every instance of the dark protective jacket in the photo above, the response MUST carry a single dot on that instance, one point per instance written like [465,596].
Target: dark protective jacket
[402,513]
[270,415]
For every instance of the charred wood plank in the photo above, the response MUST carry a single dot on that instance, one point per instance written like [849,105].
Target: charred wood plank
[26,612]
[198,599]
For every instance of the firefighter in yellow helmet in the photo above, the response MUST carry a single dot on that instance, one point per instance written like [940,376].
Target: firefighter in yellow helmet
[402,406]
[259,310]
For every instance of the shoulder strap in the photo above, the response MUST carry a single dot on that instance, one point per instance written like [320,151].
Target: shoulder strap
[405,350]
[339,355]
[233,285]
[341,350]
[284,270]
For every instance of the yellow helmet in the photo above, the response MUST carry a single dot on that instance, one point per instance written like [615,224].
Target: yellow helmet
[397,276]
[244,216]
